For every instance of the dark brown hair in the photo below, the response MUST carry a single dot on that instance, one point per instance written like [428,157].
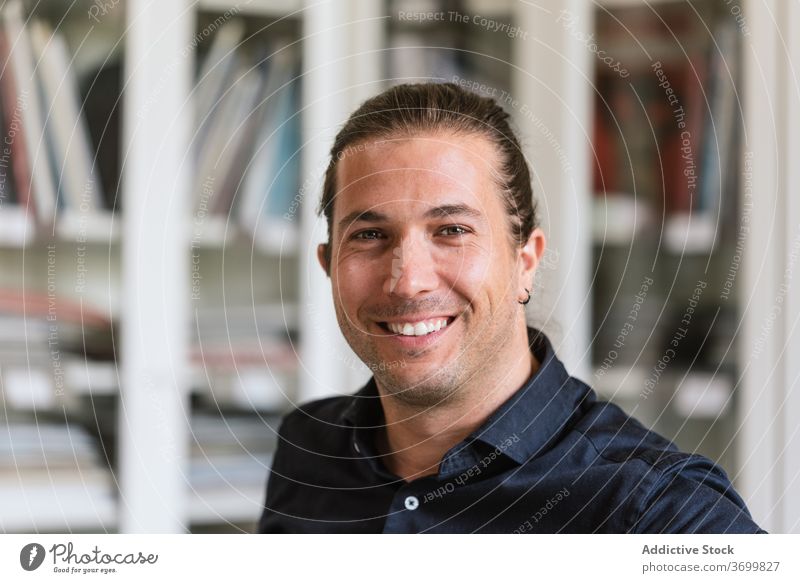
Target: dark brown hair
[409,109]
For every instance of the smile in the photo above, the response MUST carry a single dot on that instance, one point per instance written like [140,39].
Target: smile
[417,328]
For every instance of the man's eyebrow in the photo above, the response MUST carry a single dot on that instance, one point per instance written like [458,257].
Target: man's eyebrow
[442,211]
[453,210]
[366,216]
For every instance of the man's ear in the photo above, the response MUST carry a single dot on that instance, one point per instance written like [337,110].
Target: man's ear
[530,255]
[322,256]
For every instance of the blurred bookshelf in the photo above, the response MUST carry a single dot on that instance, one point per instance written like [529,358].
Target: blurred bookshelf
[451,47]
[63,285]
[654,215]
[667,151]
[60,281]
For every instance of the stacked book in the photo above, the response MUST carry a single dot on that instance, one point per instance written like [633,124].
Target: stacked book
[229,464]
[50,350]
[246,356]
[52,477]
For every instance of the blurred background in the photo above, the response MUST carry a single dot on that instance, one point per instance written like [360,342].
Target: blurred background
[161,305]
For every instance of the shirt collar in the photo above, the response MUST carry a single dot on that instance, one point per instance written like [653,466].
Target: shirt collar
[521,428]
[528,423]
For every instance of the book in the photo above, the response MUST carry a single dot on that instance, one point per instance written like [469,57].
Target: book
[52,477]
[101,89]
[718,156]
[214,74]
[229,465]
[38,166]
[226,129]
[80,189]
[14,150]
[272,178]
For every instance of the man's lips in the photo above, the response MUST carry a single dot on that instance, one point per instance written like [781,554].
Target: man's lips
[416,326]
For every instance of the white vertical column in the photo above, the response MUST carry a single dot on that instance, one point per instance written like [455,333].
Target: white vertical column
[153,414]
[552,87]
[323,351]
[367,35]
[769,449]
[791,374]
[366,32]
[759,350]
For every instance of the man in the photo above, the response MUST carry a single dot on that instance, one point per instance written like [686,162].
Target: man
[470,422]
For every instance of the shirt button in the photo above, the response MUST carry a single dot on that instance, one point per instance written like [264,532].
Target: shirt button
[412,503]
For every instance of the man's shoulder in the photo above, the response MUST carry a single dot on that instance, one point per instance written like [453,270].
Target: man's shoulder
[619,438]
[662,476]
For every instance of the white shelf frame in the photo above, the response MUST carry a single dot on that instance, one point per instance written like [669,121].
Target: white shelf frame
[154,404]
[551,76]
[769,406]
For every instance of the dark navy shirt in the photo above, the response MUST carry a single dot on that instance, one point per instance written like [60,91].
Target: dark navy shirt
[553,458]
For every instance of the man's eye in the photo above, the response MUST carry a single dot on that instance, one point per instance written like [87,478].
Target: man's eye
[455,230]
[368,235]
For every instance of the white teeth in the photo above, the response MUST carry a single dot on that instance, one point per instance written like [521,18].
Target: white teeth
[419,328]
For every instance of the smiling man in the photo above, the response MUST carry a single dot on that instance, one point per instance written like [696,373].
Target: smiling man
[470,422]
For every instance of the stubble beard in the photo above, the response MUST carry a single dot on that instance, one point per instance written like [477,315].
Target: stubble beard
[445,386]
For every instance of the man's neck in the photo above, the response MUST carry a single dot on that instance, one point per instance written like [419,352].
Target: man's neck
[414,441]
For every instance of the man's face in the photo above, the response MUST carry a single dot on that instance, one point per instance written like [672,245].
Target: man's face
[421,241]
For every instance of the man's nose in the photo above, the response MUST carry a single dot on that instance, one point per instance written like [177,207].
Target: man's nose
[412,269]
